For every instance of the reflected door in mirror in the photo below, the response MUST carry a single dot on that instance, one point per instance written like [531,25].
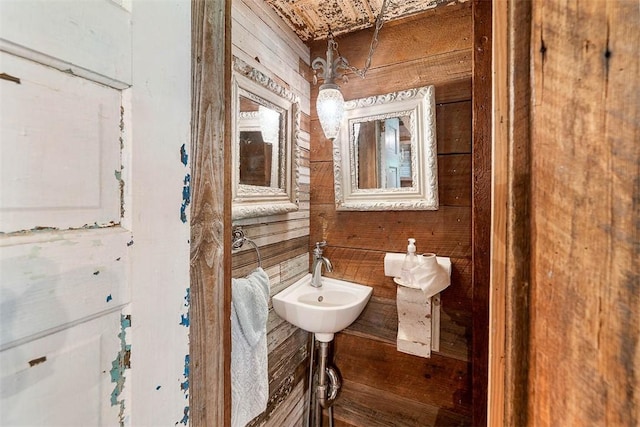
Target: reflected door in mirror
[384,153]
[260,142]
[255,167]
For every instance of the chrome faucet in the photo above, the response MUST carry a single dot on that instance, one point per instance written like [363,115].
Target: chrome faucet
[318,262]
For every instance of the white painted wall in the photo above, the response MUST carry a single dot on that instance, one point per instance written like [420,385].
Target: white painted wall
[160,112]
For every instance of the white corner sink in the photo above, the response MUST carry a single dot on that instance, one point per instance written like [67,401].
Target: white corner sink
[324,310]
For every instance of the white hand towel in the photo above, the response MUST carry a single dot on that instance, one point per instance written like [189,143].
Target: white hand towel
[249,367]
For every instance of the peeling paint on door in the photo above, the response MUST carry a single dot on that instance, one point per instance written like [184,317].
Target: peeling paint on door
[184,386]
[119,365]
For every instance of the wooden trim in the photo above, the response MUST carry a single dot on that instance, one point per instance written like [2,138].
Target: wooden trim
[500,139]
[518,237]
[510,274]
[210,329]
[481,205]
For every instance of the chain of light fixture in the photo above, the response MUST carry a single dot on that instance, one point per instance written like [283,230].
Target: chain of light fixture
[374,43]
[330,102]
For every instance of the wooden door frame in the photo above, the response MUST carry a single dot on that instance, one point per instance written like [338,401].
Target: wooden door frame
[510,228]
[501,168]
[210,268]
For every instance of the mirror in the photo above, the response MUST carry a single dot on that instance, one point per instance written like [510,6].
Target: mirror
[385,157]
[266,123]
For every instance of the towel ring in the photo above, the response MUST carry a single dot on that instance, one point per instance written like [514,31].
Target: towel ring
[238,239]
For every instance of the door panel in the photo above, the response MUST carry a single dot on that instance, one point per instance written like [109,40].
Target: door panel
[60,159]
[53,279]
[64,256]
[90,36]
[62,379]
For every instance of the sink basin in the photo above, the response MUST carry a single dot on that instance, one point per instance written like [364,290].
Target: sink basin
[324,310]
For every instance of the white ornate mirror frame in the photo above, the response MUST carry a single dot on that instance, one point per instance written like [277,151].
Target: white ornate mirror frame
[419,105]
[252,200]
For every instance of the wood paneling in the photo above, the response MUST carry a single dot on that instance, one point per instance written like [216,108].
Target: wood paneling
[384,386]
[445,232]
[452,136]
[353,408]
[510,252]
[436,381]
[283,240]
[585,256]
[481,210]
[210,330]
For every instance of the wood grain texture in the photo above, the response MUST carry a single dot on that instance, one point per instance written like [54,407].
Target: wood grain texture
[585,157]
[496,405]
[357,241]
[379,321]
[518,217]
[354,409]
[437,381]
[454,180]
[210,331]
[283,239]
[481,216]
[445,232]
[453,127]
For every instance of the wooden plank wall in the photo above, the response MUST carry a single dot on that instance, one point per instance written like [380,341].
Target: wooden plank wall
[210,324]
[263,41]
[585,317]
[381,385]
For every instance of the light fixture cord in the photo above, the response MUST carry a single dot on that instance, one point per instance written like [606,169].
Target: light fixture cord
[374,43]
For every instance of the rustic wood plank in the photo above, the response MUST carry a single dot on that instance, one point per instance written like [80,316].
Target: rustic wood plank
[288,366]
[354,408]
[585,342]
[438,381]
[453,127]
[438,70]
[481,216]
[445,232]
[273,254]
[358,240]
[366,266]
[379,321]
[404,41]
[454,180]
[510,316]
[210,311]
[497,407]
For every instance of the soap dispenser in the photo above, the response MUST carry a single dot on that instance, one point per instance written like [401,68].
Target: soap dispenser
[409,263]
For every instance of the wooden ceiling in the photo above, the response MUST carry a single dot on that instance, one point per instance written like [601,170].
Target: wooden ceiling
[311,19]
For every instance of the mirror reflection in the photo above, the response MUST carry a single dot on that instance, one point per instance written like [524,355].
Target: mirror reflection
[260,138]
[385,157]
[264,134]
[383,150]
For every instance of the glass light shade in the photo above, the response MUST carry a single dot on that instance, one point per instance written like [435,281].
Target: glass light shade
[330,108]
[269,124]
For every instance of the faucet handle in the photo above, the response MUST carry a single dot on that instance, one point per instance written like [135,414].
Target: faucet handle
[317,252]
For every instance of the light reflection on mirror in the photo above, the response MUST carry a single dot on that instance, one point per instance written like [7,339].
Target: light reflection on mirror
[383,148]
[261,138]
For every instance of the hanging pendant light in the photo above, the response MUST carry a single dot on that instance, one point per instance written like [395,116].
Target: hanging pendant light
[330,102]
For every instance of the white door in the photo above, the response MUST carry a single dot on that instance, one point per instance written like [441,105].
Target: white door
[64,247]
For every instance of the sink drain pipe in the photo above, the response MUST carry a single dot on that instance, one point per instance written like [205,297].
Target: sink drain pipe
[328,384]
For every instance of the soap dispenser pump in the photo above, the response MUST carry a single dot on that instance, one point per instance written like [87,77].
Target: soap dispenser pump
[409,263]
